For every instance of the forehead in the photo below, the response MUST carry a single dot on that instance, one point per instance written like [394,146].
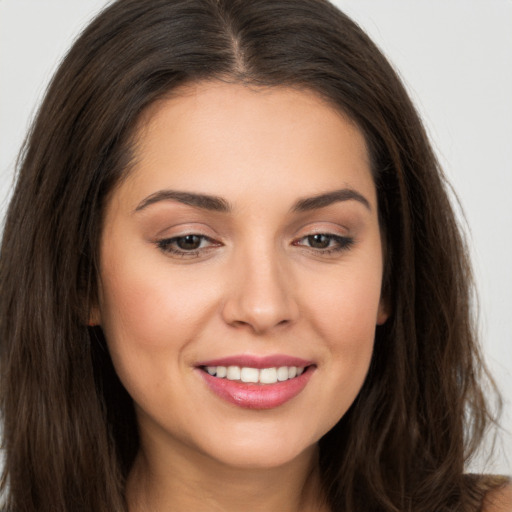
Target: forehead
[221,138]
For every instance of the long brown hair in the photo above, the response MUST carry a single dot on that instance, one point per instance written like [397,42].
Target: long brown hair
[70,434]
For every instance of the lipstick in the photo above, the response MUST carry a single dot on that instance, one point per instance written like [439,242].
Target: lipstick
[254,382]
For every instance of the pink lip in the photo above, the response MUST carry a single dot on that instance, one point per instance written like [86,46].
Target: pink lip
[246,360]
[257,396]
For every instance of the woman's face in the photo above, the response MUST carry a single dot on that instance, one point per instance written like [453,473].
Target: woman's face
[243,246]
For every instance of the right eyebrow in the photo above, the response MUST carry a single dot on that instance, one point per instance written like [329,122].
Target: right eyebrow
[328,198]
[204,201]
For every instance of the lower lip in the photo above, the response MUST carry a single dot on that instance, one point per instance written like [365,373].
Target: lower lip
[257,396]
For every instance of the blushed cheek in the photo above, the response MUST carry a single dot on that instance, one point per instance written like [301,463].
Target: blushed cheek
[150,310]
[136,336]
[346,318]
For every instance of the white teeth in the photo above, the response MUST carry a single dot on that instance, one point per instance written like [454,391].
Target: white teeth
[254,375]
[268,376]
[233,373]
[282,373]
[249,375]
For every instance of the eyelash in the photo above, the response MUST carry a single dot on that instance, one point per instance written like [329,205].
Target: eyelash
[342,243]
[170,245]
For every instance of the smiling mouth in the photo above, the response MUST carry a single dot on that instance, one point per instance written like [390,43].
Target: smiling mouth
[271,375]
[257,383]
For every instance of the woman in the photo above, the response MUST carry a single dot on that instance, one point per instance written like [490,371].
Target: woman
[231,277]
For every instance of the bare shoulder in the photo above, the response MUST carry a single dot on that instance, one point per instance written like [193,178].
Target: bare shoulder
[499,499]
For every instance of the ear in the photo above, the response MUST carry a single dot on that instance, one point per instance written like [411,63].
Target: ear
[94,316]
[383,312]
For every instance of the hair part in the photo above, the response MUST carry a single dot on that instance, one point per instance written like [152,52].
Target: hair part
[70,433]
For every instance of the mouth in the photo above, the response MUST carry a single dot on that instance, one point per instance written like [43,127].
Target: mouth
[257,383]
[247,374]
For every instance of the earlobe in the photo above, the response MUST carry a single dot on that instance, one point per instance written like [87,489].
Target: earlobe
[383,312]
[94,317]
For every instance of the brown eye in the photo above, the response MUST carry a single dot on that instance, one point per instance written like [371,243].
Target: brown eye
[189,242]
[325,243]
[319,241]
[187,246]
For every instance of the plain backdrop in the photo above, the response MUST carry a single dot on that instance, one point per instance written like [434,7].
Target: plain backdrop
[455,57]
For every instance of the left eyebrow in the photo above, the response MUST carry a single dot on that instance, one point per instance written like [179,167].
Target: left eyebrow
[323,200]
[204,201]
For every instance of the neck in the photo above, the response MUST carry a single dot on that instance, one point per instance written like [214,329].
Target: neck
[194,482]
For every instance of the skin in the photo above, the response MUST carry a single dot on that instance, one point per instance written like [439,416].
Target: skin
[499,500]
[256,286]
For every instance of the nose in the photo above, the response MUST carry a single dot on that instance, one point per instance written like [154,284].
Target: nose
[261,293]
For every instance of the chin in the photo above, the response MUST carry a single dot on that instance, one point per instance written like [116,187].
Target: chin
[259,457]
[260,446]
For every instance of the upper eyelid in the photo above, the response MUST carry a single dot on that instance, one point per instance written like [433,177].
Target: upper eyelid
[201,228]
[184,235]
[185,229]
[325,233]
[334,237]
[173,238]
[216,239]
[325,226]
[312,227]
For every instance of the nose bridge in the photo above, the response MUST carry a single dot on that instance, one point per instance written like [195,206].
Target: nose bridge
[261,295]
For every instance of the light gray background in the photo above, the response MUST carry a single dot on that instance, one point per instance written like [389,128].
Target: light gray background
[455,56]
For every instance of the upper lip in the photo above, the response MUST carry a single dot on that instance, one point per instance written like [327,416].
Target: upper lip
[253,361]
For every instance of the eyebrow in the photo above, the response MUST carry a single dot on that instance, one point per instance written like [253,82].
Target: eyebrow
[323,200]
[204,201]
[219,204]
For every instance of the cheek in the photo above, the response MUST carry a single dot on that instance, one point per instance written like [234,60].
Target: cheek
[148,306]
[348,325]
[345,305]
[146,321]
[148,324]
[344,310]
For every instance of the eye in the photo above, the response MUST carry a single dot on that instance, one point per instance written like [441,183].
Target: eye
[189,245]
[189,242]
[325,243]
